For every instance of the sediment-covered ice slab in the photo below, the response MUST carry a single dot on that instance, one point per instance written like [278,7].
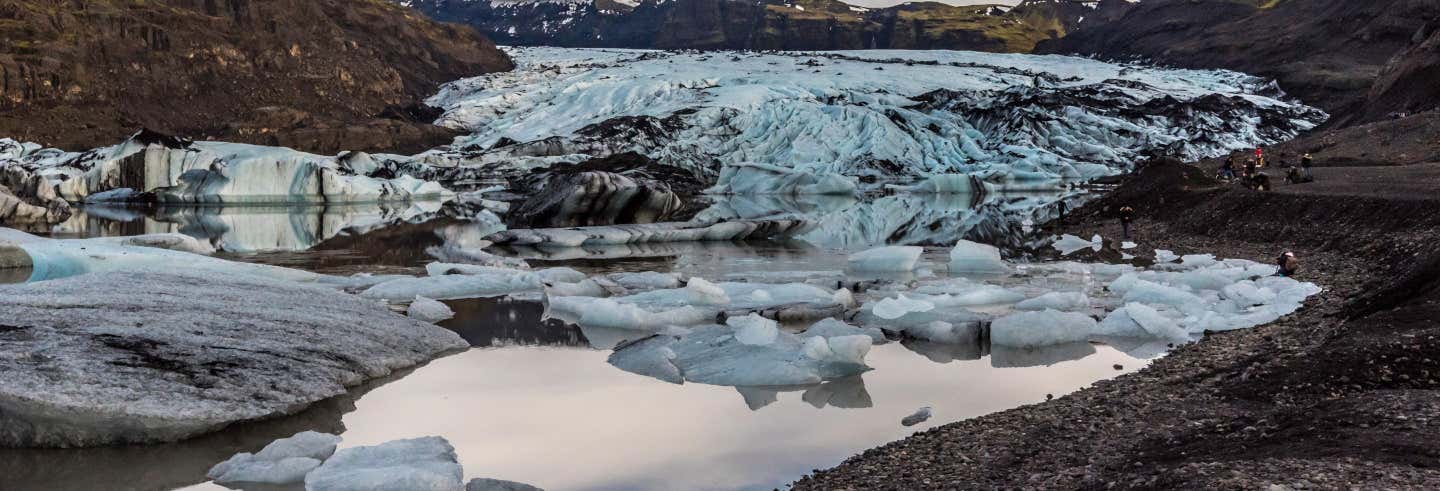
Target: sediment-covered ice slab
[129,358]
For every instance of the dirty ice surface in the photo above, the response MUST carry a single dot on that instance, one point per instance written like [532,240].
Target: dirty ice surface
[534,390]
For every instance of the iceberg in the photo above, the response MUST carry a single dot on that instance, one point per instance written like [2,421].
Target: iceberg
[1044,328]
[887,259]
[895,308]
[284,461]
[1070,244]
[1056,301]
[429,310]
[970,257]
[62,258]
[473,282]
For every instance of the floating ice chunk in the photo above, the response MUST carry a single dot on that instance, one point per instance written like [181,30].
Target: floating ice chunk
[817,348]
[427,463]
[965,293]
[487,484]
[945,332]
[920,416]
[651,357]
[1152,293]
[609,312]
[1193,261]
[895,308]
[887,259]
[832,328]
[712,355]
[1164,256]
[54,259]
[1156,324]
[1247,294]
[280,472]
[1119,324]
[760,296]
[1128,245]
[1044,328]
[702,292]
[970,257]
[754,330]
[646,280]
[429,310]
[1056,301]
[1070,244]
[844,297]
[587,288]
[484,282]
[284,461]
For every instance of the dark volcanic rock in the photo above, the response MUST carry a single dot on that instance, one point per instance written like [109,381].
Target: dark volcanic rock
[82,74]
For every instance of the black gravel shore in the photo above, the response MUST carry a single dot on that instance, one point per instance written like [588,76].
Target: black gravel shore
[1341,394]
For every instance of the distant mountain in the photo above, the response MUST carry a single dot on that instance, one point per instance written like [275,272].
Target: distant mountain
[1360,60]
[318,75]
[764,24]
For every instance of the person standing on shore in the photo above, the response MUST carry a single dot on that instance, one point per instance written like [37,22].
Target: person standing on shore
[1305,163]
[1127,215]
[1227,171]
[1288,264]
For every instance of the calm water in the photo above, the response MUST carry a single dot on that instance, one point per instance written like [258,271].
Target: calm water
[535,400]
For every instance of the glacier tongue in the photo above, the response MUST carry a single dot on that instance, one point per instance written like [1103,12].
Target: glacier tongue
[1011,119]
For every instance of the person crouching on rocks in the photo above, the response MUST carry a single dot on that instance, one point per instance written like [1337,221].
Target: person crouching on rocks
[1127,215]
[1288,264]
[1227,171]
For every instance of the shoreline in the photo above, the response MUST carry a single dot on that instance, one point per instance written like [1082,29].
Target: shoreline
[1277,404]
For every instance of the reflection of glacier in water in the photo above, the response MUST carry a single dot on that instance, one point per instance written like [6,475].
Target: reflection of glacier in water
[1001,219]
[245,229]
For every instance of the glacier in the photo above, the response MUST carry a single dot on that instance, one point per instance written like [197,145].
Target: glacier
[1012,120]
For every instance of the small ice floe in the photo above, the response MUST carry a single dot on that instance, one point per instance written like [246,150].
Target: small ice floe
[748,351]
[419,464]
[970,257]
[1070,244]
[1170,303]
[892,259]
[429,310]
[920,416]
[650,310]
[61,258]
[427,463]
[455,281]
[284,461]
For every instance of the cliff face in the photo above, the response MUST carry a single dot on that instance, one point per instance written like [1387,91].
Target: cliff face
[1328,52]
[763,24]
[320,75]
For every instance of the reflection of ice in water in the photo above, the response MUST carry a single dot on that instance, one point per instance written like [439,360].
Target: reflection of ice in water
[245,228]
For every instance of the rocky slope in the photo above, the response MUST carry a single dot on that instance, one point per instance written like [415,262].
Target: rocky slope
[320,75]
[1359,60]
[1344,391]
[763,24]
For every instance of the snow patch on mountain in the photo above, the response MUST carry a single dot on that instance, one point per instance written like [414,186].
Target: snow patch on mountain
[1003,117]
